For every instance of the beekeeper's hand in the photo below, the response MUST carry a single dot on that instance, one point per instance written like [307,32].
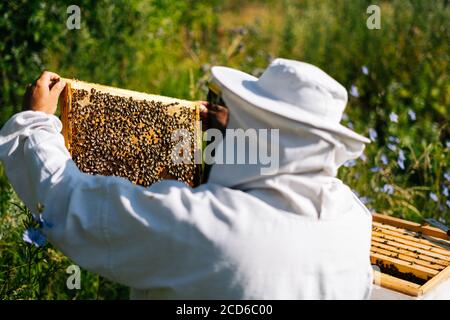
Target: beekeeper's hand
[213,116]
[43,94]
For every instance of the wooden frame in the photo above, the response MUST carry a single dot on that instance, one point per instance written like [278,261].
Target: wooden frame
[66,103]
[420,250]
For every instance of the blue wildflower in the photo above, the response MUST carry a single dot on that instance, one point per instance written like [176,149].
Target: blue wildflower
[354,91]
[350,125]
[388,188]
[401,154]
[375,169]
[434,197]
[364,200]
[365,70]
[447,176]
[393,139]
[392,147]
[350,163]
[373,134]
[412,115]
[445,191]
[363,157]
[447,203]
[384,159]
[447,144]
[401,164]
[34,236]
[401,159]
[393,117]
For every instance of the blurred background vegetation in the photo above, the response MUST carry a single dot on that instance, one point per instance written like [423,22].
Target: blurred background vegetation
[397,78]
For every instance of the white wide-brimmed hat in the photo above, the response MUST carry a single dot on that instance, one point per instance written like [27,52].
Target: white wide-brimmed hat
[293,89]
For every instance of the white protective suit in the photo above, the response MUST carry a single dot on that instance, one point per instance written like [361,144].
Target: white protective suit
[297,234]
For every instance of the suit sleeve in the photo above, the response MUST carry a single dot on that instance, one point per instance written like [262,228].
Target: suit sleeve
[141,237]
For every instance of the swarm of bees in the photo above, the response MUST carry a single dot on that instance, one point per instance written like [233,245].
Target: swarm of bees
[121,136]
[393,271]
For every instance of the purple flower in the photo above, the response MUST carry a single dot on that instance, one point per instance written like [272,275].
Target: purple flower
[447,176]
[344,116]
[434,197]
[350,163]
[388,188]
[447,144]
[384,159]
[375,169]
[392,147]
[354,91]
[365,70]
[447,203]
[393,117]
[412,115]
[373,134]
[350,125]
[34,236]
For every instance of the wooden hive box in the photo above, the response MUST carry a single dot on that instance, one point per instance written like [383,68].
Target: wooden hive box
[112,131]
[412,258]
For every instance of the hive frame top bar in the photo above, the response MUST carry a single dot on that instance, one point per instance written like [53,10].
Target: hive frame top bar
[413,226]
[136,95]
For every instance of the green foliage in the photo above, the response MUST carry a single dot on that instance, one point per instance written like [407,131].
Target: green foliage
[167,47]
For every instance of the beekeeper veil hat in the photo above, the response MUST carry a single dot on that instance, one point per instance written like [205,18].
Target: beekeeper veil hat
[306,106]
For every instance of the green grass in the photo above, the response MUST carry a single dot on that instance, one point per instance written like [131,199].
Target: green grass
[167,47]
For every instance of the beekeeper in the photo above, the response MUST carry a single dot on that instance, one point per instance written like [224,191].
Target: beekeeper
[295,233]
